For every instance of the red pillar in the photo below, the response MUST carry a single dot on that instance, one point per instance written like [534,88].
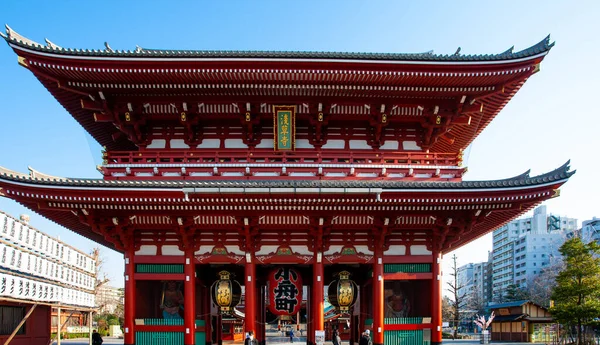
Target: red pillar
[250,295]
[378,296]
[317,303]
[436,298]
[129,317]
[189,298]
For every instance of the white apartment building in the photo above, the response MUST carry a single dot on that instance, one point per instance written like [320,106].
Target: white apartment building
[108,298]
[590,230]
[524,247]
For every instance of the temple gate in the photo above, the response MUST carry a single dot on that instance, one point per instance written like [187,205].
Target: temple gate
[246,162]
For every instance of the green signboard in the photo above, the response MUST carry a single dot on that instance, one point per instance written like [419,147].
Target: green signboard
[284,128]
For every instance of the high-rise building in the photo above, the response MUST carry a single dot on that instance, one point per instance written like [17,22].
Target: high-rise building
[524,247]
[474,282]
[590,230]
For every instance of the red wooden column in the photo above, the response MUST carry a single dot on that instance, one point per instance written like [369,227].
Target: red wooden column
[436,298]
[189,298]
[129,317]
[317,303]
[250,287]
[378,296]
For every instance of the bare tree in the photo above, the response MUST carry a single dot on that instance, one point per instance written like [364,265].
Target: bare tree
[540,286]
[476,303]
[99,261]
[457,299]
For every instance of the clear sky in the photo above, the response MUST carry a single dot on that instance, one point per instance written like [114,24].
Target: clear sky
[552,119]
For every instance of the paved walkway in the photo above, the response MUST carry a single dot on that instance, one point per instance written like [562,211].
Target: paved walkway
[107,340]
[281,341]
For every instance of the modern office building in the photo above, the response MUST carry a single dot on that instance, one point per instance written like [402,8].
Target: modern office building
[474,280]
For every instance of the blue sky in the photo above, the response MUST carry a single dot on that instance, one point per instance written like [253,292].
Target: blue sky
[552,119]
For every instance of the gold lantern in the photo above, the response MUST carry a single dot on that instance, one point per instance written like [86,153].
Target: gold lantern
[226,293]
[342,293]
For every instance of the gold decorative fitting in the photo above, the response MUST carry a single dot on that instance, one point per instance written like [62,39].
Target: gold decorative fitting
[556,193]
[344,275]
[22,61]
[127,117]
[320,117]
[224,275]
[536,68]
[438,120]
[183,116]
[248,116]
[384,118]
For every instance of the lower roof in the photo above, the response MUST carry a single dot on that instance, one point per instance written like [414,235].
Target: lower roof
[497,202]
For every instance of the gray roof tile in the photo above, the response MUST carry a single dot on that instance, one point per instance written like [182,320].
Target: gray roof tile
[12,37]
[556,175]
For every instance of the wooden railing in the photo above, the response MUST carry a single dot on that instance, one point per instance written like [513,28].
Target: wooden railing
[269,156]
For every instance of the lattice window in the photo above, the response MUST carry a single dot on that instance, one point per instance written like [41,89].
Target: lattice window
[10,318]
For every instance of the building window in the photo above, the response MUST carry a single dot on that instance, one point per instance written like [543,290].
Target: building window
[10,318]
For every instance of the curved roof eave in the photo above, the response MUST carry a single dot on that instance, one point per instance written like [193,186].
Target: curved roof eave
[523,181]
[20,42]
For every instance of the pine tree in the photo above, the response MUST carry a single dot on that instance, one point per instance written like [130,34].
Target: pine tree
[577,290]
[515,293]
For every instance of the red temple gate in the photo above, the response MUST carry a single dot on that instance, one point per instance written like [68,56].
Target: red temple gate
[250,161]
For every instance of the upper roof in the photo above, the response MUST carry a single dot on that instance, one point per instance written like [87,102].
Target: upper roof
[18,40]
[447,97]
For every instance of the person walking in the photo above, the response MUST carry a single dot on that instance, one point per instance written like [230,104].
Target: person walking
[365,338]
[291,334]
[251,339]
[96,338]
[336,339]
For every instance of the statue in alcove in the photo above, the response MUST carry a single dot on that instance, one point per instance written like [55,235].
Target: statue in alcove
[172,300]
[397,303]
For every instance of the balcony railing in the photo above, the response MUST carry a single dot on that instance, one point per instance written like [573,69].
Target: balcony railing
[267,163]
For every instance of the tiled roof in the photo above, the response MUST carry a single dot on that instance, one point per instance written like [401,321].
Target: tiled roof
[508,304]
[509,317]
[13,37]
[559,174]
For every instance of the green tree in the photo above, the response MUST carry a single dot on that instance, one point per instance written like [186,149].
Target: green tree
[577,290]
[515,293]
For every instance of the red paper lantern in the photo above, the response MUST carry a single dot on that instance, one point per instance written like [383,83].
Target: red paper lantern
[285,291]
